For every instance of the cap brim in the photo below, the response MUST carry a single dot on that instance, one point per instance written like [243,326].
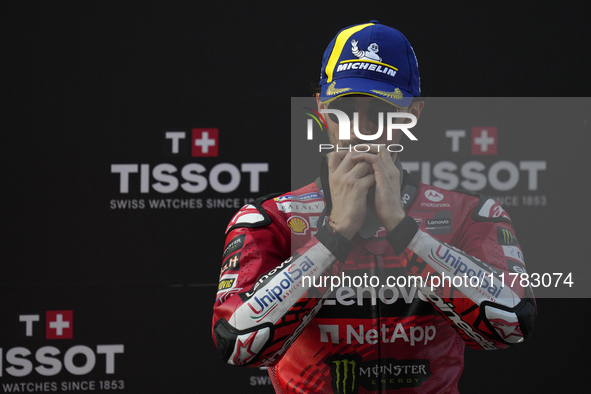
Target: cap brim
[348,86]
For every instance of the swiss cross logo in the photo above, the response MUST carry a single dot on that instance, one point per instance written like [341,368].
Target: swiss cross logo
[204,143]
[59,324]
[484,140]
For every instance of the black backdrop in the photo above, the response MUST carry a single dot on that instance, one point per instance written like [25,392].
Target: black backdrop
[89,85]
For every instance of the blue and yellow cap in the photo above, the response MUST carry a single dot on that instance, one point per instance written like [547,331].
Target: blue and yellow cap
[371,59]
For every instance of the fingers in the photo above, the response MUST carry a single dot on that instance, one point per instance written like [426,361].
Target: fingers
[341,162]
[382,163]
[334,160]
[367,181]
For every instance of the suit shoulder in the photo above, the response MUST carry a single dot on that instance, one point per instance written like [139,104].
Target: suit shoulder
[252,215]
[483,208]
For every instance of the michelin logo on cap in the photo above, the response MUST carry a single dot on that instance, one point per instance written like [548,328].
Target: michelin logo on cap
[370,54]
[374,60]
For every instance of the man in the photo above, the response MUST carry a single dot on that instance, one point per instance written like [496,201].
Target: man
[373,220]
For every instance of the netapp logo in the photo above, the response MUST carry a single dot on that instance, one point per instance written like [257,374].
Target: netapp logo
[411,334]
[20,361]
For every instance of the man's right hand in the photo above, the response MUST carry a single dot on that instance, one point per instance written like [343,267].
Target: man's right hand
[350,182]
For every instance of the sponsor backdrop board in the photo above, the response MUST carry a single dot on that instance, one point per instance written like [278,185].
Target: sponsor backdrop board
[133,133]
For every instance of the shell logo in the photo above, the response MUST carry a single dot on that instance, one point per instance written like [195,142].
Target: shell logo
[298,225]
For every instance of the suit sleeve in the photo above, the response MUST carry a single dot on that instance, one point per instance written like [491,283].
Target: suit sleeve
[476,283]
[265,297]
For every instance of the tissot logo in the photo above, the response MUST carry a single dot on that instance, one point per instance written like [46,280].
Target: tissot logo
[187,177]
[58,324]
[51,358]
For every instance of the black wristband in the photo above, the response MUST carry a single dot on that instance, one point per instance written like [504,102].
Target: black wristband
[334,242]
[401,235]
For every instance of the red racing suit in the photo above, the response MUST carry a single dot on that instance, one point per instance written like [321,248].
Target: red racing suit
[279,303]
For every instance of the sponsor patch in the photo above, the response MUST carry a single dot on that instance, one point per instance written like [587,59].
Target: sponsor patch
[513,252]
[433,195]
[279,288]
[227,282]
[308,197]
[302,197]
[506,237]
[290,206]
[227,287]
[435,205]
[286,197]
[298,225]
[235,244]
[349,373]
[412,334]
[313,221]
[515,267]
[440,223]
[232,263]
[418,220]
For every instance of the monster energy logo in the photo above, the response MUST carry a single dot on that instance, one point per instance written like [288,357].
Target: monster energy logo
[506,237]
[345,375]
[350,372]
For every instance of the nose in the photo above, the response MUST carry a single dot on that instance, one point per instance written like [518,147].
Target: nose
[362,124]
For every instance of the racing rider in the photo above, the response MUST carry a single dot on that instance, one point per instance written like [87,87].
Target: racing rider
[365,217]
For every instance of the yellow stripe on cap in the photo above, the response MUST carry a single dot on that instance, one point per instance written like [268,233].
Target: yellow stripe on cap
[339,44]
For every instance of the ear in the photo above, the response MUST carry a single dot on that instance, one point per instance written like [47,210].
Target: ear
[320,107]
[416,108]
